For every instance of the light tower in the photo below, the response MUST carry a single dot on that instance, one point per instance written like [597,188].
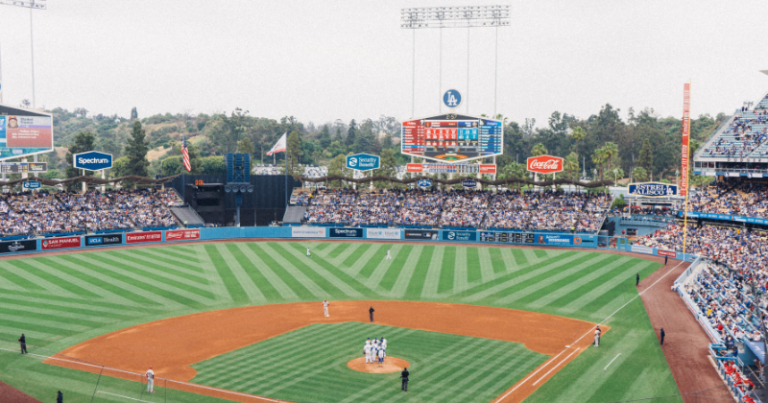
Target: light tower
[31,5]
[454,17]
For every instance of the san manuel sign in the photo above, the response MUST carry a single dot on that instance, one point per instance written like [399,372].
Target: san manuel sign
[92,161]
[363,162]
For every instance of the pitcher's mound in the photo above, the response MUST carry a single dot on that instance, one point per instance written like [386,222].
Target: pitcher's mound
[391,364]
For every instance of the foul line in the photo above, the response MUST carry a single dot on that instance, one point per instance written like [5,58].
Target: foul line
[614,359]
[85,364]
[587,333]
[125,397]
[558,364]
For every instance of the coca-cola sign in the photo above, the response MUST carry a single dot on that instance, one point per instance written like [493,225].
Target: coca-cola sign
[545,164]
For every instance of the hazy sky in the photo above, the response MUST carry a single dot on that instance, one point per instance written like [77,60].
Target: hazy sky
[323,60]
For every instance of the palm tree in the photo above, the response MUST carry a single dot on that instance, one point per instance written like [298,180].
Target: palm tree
[578,135]
[599,159]
[610,150]
[539,149]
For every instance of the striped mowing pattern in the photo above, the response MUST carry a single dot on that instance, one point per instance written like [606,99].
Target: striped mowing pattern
[310,364]
[58,301]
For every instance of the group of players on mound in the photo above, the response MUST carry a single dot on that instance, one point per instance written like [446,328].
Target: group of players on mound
[375,351]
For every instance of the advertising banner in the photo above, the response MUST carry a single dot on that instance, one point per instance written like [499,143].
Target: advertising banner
[669,253]
[18,246]
[414,168]
[496,236]
[363,162]
[139,237]
[555,239]
[641,249]
[92,161]
[61,243]
[545,164]
[460,236]
[652,189]
[421,234]
[308,232]
[346,232]
[182,235]
[487,168]
[424,183]
[98,240]
[686,133]
[383,233]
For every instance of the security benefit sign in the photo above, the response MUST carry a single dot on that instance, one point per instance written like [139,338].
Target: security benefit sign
[459,236]
[363,162]
[98,240]
[346,232]
[652,189]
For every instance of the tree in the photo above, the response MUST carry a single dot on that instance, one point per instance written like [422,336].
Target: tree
[578,135]
[293,153]
[171,165]
[538,149]
[351,134]
[387,167]
[645,159]
[136,151]
[610,150]
[599,159]
[324,137]
[245,146]
[639,174]
[571,166]
[514,170]
[336,167]
[134,114]
[82,142]
[216,165]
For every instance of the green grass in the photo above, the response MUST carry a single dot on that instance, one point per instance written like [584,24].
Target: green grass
[59,301]
[310,364]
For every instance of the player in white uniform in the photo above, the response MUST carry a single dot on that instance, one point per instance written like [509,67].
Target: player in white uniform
[597,338]
[381,355]
[325,308]
[150,380]
[389,257]
[308,254]
[368,353]
[384,345]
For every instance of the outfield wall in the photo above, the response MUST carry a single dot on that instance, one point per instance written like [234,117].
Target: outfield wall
[489,237]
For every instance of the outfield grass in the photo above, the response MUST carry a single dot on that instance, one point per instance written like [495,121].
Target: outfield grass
[444,367]
[59,301]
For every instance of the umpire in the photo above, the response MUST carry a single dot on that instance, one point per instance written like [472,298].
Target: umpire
[404,377]
[370,313]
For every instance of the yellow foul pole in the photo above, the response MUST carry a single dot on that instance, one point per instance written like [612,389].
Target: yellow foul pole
[685,156]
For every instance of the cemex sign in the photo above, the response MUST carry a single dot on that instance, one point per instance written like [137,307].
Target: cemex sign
[92,161]
[545,164]
[363,162]
[652,189]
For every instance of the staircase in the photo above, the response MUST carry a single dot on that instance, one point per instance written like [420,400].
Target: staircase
[294,214]
[187,216]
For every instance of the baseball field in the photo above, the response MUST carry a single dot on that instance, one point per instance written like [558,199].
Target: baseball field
[475,323]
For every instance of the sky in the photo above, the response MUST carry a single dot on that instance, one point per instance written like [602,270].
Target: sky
[325,60]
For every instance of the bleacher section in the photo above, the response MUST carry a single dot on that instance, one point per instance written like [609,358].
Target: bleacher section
[188,216]
[548,211]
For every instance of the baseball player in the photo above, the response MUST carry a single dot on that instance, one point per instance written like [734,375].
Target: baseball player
[389,257]
[381,356]
[368,356]
[384,344]
[309,255]
[597,337]
[325,308]
[150,380]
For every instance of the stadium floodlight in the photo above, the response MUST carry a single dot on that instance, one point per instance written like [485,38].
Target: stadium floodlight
[31,5]
[454,17]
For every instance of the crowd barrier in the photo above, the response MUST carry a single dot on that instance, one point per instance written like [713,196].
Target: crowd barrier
[509,237]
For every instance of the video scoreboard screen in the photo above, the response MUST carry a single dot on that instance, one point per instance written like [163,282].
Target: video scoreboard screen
[452,137]
[511,237]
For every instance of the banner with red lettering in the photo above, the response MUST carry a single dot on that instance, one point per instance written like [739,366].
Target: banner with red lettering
[545,164]
[139,237]
[181,235]
[686,133]
[61,243]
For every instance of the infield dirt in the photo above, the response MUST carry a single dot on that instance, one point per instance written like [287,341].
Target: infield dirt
[173,345]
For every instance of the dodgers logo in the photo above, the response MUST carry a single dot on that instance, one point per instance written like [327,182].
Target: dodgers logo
[452,98]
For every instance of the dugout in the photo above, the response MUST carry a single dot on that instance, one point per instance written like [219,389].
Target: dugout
[205,194]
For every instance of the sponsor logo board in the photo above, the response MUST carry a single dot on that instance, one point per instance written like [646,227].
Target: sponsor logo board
[110,239]
[139,237]
[61,243]
[652,189]
[641,249]
[545,164]
[375,233]
[421,234]
[346,233]
[182,235]
[18,246]
[308,232]
[669,253]
[459,236]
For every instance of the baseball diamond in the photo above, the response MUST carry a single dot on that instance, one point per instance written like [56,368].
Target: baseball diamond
[70,303]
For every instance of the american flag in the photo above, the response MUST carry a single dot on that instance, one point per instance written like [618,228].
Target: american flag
[185,155]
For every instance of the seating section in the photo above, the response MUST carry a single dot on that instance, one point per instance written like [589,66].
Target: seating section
[744,137]
[723,289]
[46,213]
[748,199]
[553,211]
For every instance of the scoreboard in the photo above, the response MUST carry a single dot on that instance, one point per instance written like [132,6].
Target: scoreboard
[452,137]
[511,237]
